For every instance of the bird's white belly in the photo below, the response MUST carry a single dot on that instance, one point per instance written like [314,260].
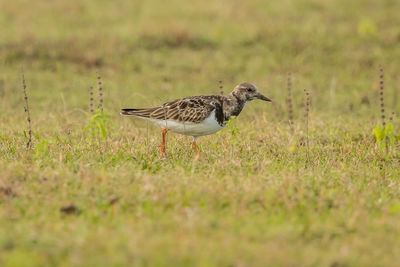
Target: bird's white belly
[208,126]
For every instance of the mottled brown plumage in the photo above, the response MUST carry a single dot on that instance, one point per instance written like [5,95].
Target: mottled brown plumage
[190,109]
[195,109]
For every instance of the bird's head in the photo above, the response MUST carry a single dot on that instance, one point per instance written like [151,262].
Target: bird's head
[247,92]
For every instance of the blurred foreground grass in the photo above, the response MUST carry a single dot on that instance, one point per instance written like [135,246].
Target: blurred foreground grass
[252,199]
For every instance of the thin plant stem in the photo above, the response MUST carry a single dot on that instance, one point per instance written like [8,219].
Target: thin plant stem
[306,117]
[27,111]
[391,117]
[91,100]
[382,100]
[290,102]
[100,88]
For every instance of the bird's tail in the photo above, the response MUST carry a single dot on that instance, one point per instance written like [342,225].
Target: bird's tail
[139,112]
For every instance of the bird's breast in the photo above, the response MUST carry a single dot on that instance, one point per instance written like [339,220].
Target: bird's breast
[208,126]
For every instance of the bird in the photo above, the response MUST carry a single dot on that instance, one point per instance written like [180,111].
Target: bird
[197,116]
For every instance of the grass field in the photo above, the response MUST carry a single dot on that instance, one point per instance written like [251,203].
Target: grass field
[259,196]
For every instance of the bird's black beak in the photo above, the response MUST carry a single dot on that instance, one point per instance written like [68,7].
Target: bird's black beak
[262,97]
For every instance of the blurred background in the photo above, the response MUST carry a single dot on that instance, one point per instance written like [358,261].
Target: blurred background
[148,52]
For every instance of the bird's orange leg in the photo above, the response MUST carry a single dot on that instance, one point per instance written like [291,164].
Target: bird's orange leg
[164,138]
[196,151]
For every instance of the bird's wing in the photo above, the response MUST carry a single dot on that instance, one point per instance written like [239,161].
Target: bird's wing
[191,109]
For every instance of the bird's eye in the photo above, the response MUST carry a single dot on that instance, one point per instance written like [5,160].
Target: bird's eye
[249,90]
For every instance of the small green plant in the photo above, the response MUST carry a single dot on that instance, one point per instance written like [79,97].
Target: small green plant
[384,134]
[367,28]
[385,137]
[43,148]
[99,124]
[232,128]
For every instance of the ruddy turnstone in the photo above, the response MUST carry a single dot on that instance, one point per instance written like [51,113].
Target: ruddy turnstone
[198,115]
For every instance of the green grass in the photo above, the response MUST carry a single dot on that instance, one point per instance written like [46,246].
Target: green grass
[252,199]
